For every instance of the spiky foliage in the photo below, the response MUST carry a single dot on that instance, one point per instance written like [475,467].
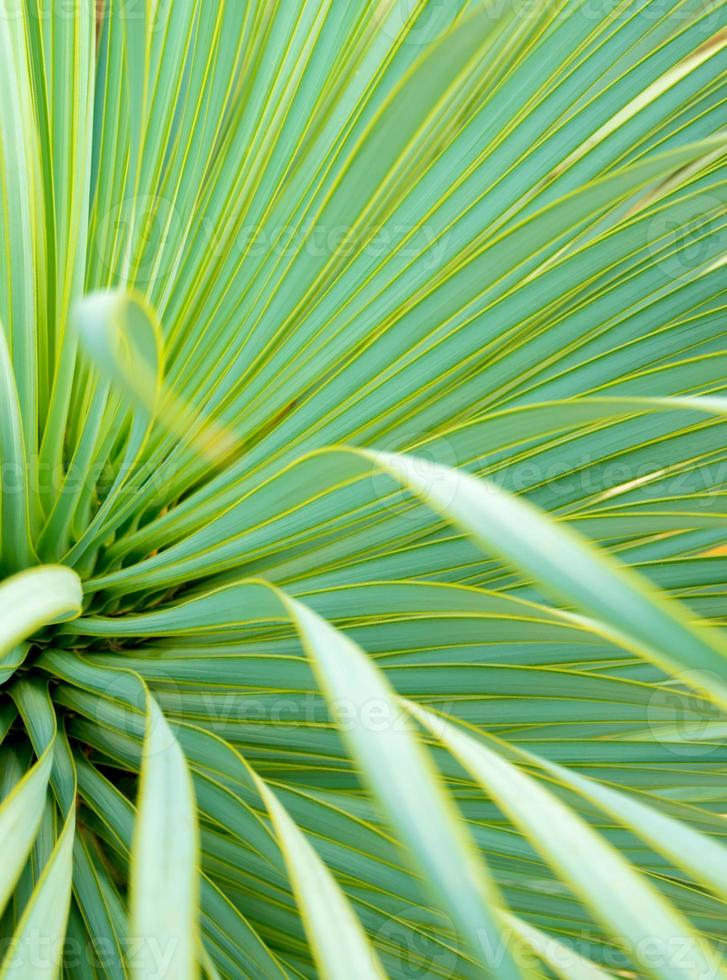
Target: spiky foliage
[363,489]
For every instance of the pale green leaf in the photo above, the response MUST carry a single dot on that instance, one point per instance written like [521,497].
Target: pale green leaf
[37,946]
[340,944]
[36,598]
[165,857]
[20,815]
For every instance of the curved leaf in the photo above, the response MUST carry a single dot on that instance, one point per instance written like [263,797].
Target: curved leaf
[37,946]
[20,816]
[36,598]
[619,896]
[340,944]
[165,857]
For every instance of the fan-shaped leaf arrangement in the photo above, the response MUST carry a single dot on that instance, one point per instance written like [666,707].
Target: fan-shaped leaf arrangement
[362,515]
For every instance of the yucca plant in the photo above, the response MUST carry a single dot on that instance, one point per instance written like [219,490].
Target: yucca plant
[363,473]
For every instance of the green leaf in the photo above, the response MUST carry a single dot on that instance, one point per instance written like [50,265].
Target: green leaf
[21,257]
[165,857]
[339,943]
[404,781]
[703,858]
[617,895]
[10,662]
[562,960]
[258,264]
[37,945]
[121,335]
[20,816]
[15,544]
[569,567]
[36,598]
